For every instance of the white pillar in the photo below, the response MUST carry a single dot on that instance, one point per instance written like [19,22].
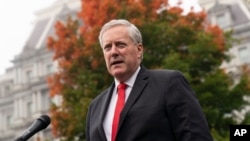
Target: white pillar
[19,76]
[4,122]
[1,121]
[21,108]
[34,101]
[39,101]
[16,108]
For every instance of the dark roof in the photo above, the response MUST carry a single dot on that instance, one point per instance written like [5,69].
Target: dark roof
[237,14]
[37,32]
[39,29]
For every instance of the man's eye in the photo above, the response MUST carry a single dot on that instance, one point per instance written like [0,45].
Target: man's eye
[121,45]
[106,48]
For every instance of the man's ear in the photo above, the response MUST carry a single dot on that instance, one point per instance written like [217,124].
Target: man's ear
[140,50]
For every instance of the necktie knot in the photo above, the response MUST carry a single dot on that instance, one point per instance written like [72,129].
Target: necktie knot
[122,86]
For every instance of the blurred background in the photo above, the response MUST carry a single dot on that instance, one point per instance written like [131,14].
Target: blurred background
[50,64]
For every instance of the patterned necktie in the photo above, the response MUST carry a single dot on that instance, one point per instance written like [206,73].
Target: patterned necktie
[119,106]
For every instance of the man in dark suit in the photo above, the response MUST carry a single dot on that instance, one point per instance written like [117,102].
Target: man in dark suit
[159,105]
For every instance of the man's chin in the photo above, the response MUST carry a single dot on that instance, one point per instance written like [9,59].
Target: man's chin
[118,73]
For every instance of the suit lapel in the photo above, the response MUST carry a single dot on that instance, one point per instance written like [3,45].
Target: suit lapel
[139,85]
[104,106]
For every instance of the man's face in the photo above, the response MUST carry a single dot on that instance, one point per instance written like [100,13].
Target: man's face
[121,54]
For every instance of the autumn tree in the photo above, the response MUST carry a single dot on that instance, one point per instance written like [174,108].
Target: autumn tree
[171,40]
[190,44]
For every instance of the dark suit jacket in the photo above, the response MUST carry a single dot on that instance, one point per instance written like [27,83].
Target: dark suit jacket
[161,107]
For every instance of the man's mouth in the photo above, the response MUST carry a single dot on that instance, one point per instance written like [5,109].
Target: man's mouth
[116,62]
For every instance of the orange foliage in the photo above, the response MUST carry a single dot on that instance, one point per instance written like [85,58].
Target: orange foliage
[175,10]
[57,114]
[97,12]
[218,35]
[94,64]
[246,71]
[54,84]
[192,20]
[197,21]
[94,13]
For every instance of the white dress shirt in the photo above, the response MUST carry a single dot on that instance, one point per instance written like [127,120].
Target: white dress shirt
[108,120]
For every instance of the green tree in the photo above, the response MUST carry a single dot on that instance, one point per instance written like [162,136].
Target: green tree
[171,40]
[182,42]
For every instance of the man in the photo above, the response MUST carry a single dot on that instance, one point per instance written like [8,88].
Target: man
[159,105]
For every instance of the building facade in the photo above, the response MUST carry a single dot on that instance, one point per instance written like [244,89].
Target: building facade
[232,15]
[24,92]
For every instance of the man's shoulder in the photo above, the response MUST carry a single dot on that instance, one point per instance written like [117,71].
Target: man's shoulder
[165,73]
[169,71]
[101,96]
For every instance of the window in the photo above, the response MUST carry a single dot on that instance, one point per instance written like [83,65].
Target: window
[29,109]
[222,20]
[6,89]
[28,75]
[244,54]
[9,121]
[49,68]
[45,100]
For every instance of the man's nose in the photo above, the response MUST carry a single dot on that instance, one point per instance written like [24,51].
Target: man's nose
[114,51]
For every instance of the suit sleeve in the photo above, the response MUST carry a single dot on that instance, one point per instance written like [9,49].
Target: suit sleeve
[87,125]
[184,110]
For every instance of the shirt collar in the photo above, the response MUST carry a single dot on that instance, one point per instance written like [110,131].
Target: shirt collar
[130,82]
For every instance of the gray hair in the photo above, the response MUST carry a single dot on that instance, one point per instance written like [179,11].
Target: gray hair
[134,32]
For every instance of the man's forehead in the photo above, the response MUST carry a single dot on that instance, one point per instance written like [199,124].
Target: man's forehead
[118,40]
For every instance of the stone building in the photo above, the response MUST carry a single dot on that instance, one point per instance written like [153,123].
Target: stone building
[24,93]
[232,15]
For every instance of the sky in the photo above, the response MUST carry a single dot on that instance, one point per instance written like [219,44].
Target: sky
[16,23]
[16,17]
